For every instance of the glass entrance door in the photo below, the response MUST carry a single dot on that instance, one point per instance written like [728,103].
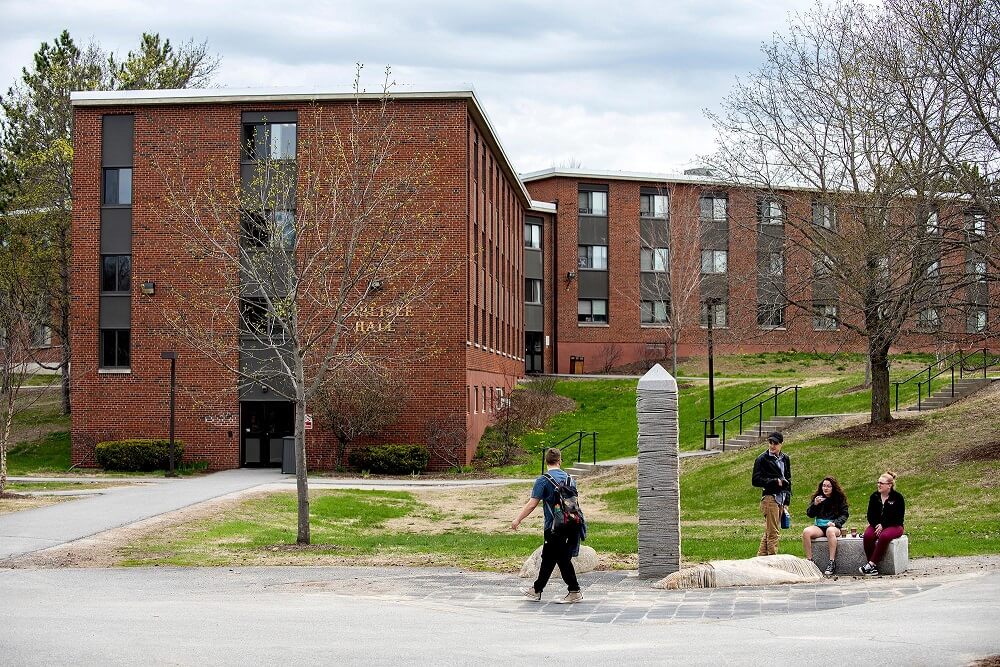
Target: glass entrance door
[533,352]
[262,426]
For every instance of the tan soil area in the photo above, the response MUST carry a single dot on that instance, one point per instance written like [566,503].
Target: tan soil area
[16,502]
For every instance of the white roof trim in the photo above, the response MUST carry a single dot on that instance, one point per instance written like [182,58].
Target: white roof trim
[236,95]
[599,174]
[543,206]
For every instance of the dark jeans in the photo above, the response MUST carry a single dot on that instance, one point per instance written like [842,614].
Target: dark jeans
[557,550]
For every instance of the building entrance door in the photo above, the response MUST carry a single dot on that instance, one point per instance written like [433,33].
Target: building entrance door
[262,426]
[533,352]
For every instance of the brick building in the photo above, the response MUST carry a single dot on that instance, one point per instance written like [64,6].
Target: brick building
[128,263]
[591,270]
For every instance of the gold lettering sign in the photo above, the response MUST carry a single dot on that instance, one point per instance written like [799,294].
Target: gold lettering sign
[372,318]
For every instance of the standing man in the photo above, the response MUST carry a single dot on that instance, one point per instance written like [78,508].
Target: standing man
[772,472]
[559,548]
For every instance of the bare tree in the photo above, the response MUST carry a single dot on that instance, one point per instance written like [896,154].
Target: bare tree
[822,130]
[611,354]
[318,256]
[359,401]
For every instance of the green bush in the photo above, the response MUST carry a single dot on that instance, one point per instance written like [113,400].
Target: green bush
[137,455]
[390,459]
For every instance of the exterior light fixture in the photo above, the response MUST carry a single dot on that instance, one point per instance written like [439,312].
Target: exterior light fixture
[148,288]
[571,275]
[375,285]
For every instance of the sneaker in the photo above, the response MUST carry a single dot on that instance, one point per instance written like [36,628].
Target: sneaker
[571,597]
[531,594]
[828,572]
[868,570]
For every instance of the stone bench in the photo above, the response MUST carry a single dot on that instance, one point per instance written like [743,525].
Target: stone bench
[851,555]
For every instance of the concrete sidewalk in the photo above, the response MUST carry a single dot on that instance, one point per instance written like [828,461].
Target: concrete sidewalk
[32,530]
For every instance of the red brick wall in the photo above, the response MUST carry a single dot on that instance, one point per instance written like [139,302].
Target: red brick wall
[435,347]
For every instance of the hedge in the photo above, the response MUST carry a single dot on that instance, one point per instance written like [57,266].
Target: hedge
[390,459]
[137,455]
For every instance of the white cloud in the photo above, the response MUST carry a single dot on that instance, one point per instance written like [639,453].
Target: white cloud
[618,86]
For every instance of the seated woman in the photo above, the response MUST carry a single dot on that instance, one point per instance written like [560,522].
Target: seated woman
[886,509]
[828,507]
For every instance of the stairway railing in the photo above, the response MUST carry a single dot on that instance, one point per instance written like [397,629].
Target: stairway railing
[947,365]
[774,393]
[576,438]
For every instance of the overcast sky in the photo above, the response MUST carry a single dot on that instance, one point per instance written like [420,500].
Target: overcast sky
[611,85]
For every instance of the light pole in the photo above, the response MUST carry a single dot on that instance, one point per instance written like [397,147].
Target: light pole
[710,308]
[172,356]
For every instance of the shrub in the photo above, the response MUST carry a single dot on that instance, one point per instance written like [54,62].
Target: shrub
[137,455]
[390,459]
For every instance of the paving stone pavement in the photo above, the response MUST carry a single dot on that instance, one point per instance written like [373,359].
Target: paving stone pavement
[619,597]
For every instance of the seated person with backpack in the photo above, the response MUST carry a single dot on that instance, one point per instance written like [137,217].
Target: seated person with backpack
[563,530]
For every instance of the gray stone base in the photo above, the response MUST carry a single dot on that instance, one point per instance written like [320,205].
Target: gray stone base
[851,555]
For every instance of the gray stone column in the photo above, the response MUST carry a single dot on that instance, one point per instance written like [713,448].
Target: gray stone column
[659,475]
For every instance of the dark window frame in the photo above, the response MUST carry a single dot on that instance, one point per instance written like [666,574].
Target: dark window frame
[116,348]
[122,273]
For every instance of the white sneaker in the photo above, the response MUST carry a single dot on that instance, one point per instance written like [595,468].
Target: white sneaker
[531,594]
[574,596]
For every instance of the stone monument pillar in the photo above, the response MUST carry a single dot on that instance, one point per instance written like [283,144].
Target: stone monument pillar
[659,475]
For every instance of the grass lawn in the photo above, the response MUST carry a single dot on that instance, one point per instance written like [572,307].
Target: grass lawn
[48,454]
[951,501]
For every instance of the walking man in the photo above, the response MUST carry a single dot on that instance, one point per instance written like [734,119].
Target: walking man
[559,548]
[772,472]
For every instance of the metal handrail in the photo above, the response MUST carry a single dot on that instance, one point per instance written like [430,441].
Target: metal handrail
[773,398]
[577,438]
[920,374]
[960,362]
[747,400]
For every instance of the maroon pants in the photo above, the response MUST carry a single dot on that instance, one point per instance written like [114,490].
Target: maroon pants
[875,546]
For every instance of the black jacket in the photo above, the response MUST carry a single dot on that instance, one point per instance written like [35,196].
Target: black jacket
[766,474]
[890,514]
[829,509]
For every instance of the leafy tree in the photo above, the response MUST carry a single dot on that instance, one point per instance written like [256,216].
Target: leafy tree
[36,142]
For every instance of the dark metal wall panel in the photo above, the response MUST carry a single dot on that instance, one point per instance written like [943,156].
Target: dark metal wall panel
[714,286]
[270,274]
[714,235]
[116,231]
[534,318]
[117,140]
[270,116]
[264,366]
[824,290]
[654,286]
[116,312]
[533,264]
[593,230]
[654,232]
[593,284]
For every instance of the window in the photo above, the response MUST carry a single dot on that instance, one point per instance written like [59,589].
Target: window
[771,315]
[269,141]
[654,312]
[593,257]
[824,317]
[653,206]
[718,311]
[770,212]
[592,311]
[773,264]
[824,215]
[255,318]
[977,321]
[822,266]
[975,222]
[654,259]
[115,348]
[116,273]
[532,236]
[714,261]
[593,203]
[41,335]
[928,319]
[933,268]
[931,225]
[713,207]
[977,269]
[275,229]
[118,186]
[533,291]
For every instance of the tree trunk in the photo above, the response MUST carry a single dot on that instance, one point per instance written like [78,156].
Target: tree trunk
[878,356]
[673,355]
[301,474]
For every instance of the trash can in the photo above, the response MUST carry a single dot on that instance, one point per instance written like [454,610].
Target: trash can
[288,455]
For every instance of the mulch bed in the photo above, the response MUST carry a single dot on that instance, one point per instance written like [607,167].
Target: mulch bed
[988,452]
[869,432]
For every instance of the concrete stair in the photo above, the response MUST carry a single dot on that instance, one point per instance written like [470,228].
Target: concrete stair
[942,396]
[753,435]
[582,469]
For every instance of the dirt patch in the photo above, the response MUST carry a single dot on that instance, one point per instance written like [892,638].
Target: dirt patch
[988,452]
[17,502]
[988,661]
[869,432]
